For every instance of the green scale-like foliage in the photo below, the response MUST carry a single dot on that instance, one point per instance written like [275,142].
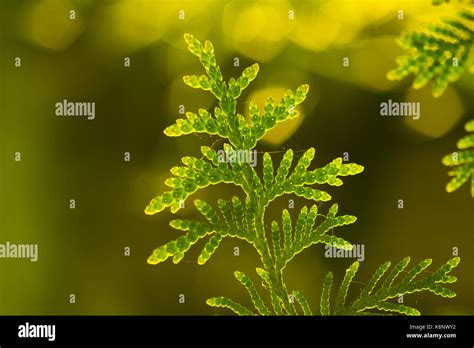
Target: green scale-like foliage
[243,218]
[371,297]
[462,161]
[440,52]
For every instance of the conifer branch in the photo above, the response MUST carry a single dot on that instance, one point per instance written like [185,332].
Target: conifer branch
[462,161]
[438,52]
[244,217]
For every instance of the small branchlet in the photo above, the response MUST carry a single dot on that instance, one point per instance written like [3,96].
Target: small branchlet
[462,161]
[439,52]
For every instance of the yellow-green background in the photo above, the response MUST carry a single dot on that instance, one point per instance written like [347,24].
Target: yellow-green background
[81,250]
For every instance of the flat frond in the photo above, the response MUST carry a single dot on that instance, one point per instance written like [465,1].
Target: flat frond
[274,113]
[306,232]
[226,122]
[245,218]
[195,174]
[302,302]
[209,249]
[295,183]
[462,162]
[254,295]
[344,288]
[267,283]
[369,287]
[228,303]
[277,251]
[234,220]
[177,248]
[325,306]
[376,297]
[439,53]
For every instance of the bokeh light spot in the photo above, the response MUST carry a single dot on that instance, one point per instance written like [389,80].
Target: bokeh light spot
[48,24]
[437,115]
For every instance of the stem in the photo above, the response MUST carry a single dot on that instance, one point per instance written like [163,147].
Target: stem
[263,248]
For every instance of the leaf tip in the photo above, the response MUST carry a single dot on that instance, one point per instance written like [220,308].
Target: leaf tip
[455,261]
[238,275]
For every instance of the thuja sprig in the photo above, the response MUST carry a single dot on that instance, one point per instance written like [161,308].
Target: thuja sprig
[372,298]
[243,217]
[462,161]
[438,52]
